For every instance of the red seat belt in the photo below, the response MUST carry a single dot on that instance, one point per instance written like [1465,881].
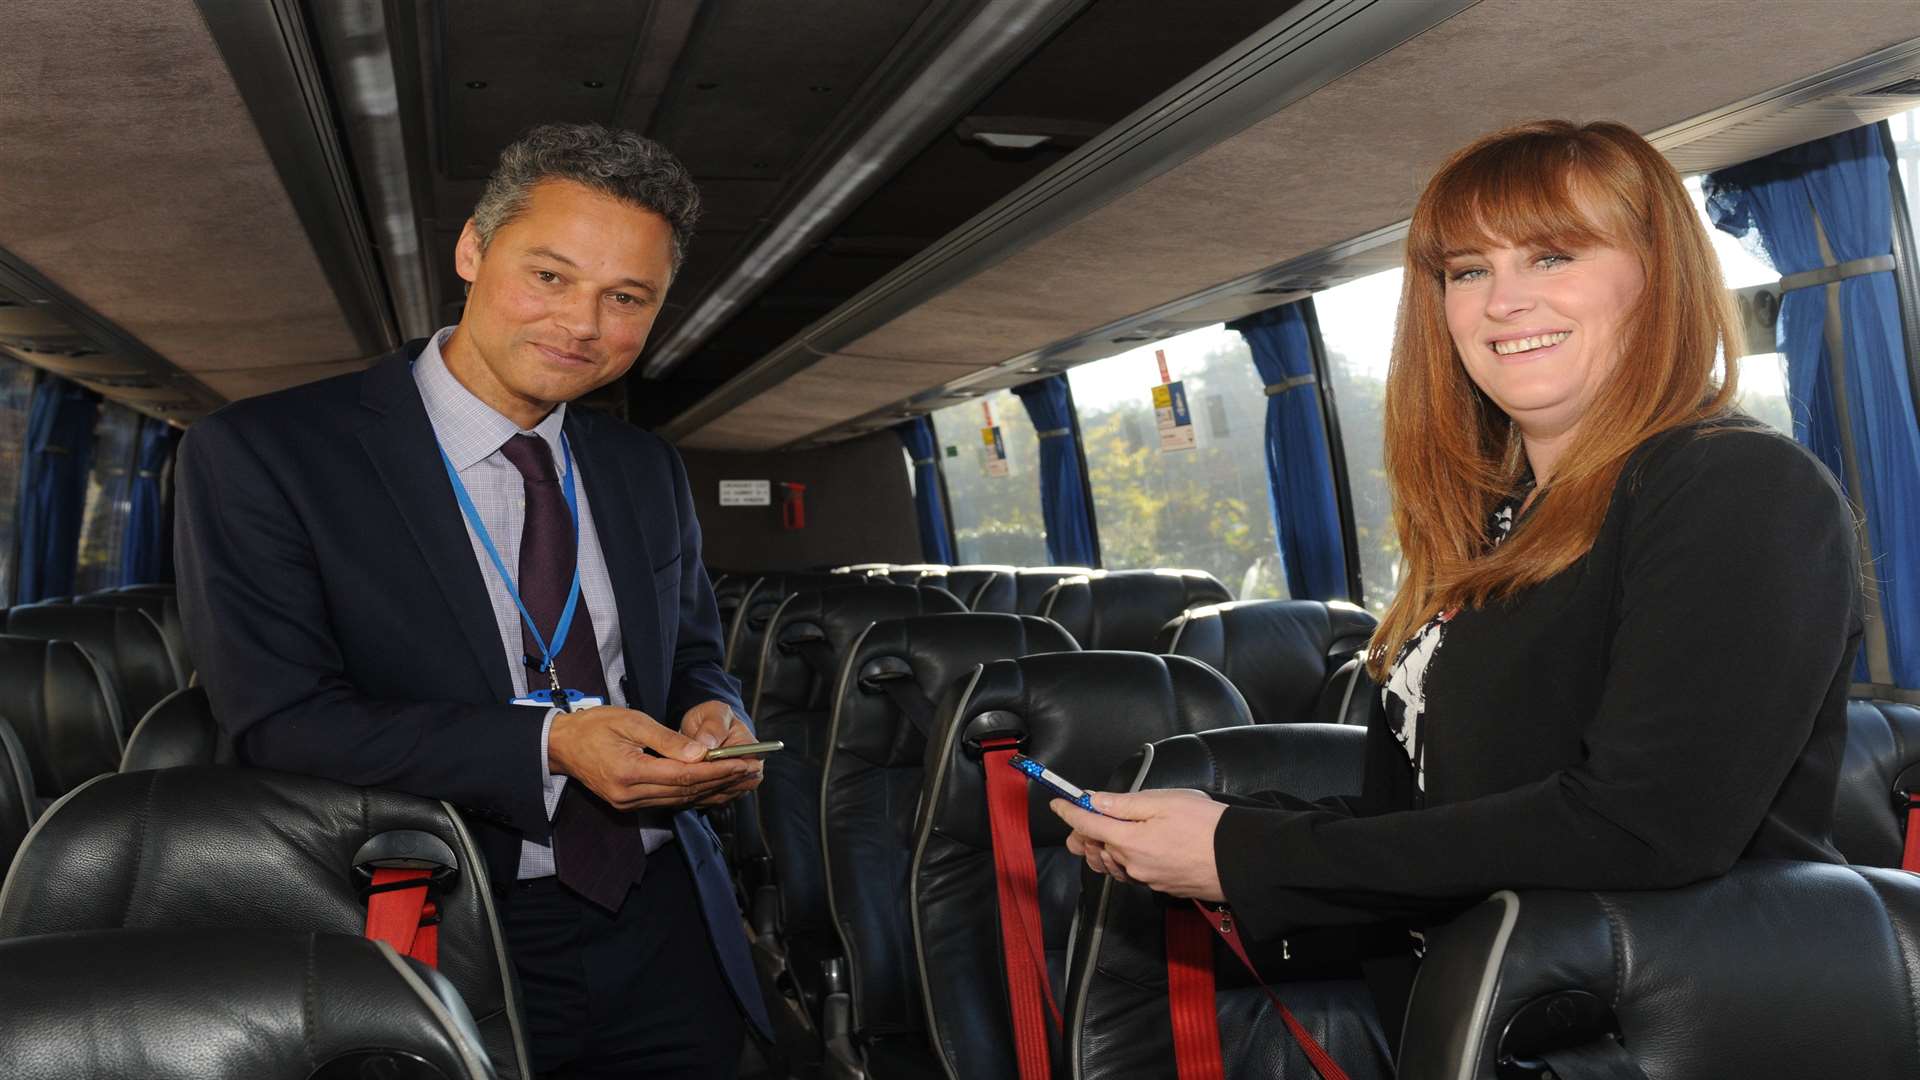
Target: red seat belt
[402,916]
[1910,858]
[1018,882]
[1196,1023]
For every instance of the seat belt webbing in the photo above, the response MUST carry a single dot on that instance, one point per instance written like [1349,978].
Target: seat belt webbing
[912,702]
[1018,882]
[1602,1059]
[401,914]
[1910,857]
[1221,923]
[1196,1017]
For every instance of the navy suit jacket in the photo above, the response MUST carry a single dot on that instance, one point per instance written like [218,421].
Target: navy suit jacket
[342,627]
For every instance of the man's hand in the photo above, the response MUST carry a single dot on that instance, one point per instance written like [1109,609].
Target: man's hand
[1161,839]
[606,748]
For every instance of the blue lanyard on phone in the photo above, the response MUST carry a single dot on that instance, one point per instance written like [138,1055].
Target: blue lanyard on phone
[547,652]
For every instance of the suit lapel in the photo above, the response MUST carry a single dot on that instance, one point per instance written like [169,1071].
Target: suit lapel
[623,544]
[399,440]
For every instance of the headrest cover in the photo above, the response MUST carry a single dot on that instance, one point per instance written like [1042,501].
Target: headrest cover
[186,1005]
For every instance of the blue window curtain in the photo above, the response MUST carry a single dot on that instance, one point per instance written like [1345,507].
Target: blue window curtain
[53,494]
[936,540]
[147,556]
[1300,483]
[1064,506]
[1865,434]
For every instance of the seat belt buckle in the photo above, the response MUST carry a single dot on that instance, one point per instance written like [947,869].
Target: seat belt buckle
[995,729]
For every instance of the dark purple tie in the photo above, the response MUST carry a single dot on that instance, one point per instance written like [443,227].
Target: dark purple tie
[597,850]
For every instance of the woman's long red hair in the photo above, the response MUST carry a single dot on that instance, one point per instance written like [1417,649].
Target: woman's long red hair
[1451,454]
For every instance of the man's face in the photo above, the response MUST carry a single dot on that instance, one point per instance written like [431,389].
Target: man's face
[563,298]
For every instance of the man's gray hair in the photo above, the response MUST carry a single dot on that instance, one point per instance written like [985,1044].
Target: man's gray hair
[626,166]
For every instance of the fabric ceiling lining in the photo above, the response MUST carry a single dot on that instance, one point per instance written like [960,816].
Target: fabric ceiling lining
[1351,158]
[135,180]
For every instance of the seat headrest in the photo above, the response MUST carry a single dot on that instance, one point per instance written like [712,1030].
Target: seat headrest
[981,588]
[18,806]
[61,706]
[1030,584]
[1125,609]
[126,642]
[835,616]
[936,652]
[266,1005]
[1278,652]
[216,846]
[1882,757]
[1079,713]
[1776,969]
[178,731]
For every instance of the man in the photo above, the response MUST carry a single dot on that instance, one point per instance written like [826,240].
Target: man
[392,578]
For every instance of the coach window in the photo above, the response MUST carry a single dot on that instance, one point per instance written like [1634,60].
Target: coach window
[1192,496]
[103,522]
[1763,373]
[995,499]
[1356,328]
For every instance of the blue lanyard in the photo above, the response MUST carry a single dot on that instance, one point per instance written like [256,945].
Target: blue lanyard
[547,652]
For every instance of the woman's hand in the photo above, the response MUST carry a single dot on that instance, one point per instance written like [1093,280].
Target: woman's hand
[1161,839]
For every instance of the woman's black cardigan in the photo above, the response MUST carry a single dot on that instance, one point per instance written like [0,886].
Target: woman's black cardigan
[1672,702]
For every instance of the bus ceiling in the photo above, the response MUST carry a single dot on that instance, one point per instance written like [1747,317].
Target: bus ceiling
[907,203]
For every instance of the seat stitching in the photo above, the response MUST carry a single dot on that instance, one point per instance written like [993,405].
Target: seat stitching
[306,1007]
[1913,1009]
[139,847]
[1616,936]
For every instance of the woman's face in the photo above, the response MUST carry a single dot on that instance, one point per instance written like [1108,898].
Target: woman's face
[1539,328]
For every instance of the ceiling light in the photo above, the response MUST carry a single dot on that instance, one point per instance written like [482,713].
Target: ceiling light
[1007,140]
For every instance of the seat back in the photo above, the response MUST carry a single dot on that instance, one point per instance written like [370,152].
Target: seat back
[1081,714]
[18,803]
[981,587]
[728,591]
[178,731]
[1030,585]
[265,1005]
[125,641]
[755,614]
[1882,760]
[1776,969]
[907,573]
[875,762]
[799,665]
[164,610]
[59,704]
[1125,609]
[230,848]
[1288,657]
[1119,1025]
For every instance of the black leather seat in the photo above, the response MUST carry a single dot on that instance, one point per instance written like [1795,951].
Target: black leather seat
[981,587]
[1081,714]
[178,731]
[126,642]
[59,703]
[875,762]
[1125,609]
[728,591]
[800,665]
[907,573]
[1293,660]
[1881,764]
[1777,969]
[223,848]
[755,614]
[164,609]
[1030,585]
[1119,1024]
[208,1005]
[19,805]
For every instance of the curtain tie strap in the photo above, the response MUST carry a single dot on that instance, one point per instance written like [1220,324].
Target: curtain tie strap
[1285,385]
[1055,433]
[1828,275]
[923,461]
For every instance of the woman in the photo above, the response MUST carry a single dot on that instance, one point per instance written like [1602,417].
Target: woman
[1620,651]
